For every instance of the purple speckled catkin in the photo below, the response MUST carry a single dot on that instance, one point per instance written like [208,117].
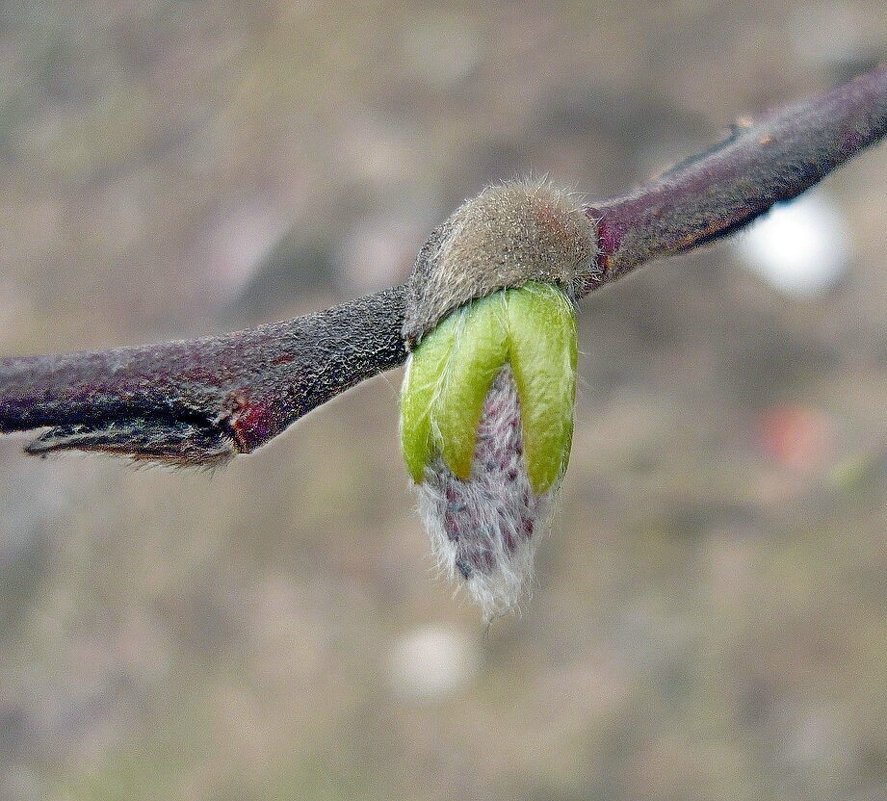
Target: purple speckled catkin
[486,529]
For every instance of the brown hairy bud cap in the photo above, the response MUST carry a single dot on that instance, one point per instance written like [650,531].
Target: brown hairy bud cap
[508,235]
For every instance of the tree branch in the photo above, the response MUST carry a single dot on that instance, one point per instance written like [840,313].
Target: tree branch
[719,191]
[202,401]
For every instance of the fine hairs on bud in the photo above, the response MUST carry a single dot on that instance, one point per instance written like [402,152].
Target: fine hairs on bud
[484,531]
[514,232]
[489,391]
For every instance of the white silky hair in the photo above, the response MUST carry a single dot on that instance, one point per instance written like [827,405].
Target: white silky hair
[485,530]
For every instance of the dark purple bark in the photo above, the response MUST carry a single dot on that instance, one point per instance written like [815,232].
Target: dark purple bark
[205,400]
[202,401]
[717,192]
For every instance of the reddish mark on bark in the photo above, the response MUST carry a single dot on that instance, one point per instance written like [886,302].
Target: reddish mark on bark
[250,425]
[609,237]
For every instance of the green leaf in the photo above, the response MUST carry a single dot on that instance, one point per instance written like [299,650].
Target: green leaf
[422,382]
[543,353]
[479,353]
[450,373]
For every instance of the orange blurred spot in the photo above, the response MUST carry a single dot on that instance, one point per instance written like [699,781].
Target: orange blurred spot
[795,436]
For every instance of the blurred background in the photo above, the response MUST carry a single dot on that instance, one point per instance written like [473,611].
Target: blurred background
[709,616]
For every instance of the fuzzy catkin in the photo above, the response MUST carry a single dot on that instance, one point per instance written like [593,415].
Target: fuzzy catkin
[485,530]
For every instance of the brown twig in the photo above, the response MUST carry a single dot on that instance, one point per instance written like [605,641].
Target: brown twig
[719,191]
[203,401]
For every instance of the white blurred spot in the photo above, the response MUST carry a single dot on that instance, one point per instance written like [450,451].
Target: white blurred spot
[802,248]
[433,662]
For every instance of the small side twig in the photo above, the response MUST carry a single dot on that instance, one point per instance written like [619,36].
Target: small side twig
[203,401]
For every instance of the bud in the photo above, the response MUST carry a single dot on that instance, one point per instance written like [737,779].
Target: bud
[486,427]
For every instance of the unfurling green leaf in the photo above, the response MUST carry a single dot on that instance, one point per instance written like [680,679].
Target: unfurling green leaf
[450,372]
